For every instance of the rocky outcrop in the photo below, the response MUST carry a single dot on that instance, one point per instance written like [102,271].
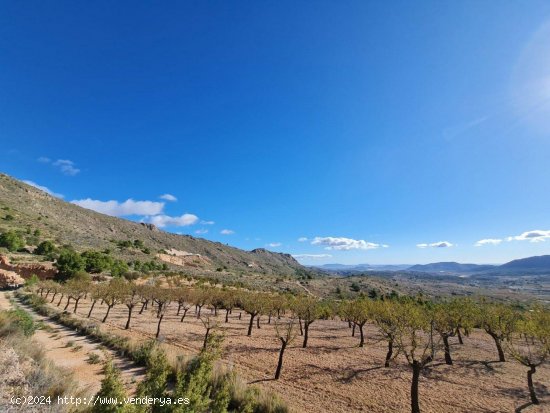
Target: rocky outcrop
[26,270]
[150,227]
[188,260]
[10,279]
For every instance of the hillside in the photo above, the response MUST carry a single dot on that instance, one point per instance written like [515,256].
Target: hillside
[450,267]
[541,262]
[23,206]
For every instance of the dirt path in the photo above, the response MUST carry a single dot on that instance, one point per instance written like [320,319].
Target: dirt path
[66,349]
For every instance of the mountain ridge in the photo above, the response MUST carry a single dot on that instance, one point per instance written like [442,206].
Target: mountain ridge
[66,223]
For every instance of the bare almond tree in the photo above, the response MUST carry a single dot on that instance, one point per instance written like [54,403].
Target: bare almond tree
[286,332]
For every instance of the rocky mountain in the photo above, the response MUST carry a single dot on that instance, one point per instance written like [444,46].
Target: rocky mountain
[23,206]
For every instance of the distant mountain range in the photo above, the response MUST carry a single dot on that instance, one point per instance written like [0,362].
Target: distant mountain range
[524,266]
[363,267]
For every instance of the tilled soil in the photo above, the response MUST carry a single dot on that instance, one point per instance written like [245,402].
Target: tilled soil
[334,375]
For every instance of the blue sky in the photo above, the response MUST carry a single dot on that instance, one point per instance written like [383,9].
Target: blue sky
[369,128]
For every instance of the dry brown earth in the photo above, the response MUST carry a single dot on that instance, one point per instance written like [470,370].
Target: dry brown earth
[334,375]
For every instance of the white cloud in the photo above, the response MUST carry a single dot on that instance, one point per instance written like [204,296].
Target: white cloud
[536,235]
[67,167]
[168,197]
[440,244]
[207,222]
[344,244]
[274,244]
[227,232]
[488,241]
[118,209]
[312,256]
[43,188]
[302,239]
[165,220]
[201,231]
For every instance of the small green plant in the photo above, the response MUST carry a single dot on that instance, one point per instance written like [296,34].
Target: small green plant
[16,320]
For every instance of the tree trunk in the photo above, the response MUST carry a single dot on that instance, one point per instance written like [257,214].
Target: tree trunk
[306,334]
[205,339]
[107,314]
[269,319]
[68,302]
[143,307]
[250,324]
[130,309]
[227,315]
[448,359]
[280,363]
[92,308]
[499,347]
[362,341]
[59,302]
[459,334]
[530,373]
[353,330]
[415,407]
[199,313]
[389,353]
[76,305]
[240,315]
[301,329]
[158,325]
[53,298]
[184,313]
[179,309]
[258,322]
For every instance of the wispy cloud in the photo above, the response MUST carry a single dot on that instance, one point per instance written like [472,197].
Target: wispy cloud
[66,166]
[179,221]
[536,235]
[440,244]
[274,244]
[119,209]
[168,197]
[207,222]
[344,244]
[457,130]
[201,231]
[488,241]
[227,232]
[302,239]
[43,188]
[311,256]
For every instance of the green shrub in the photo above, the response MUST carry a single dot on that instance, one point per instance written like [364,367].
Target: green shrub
[12,241]
[16,321]
[69,262]
[111,387]
[45,248]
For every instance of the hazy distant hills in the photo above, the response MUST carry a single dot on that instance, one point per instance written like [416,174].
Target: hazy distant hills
[450,267]
[524,266]
[362,267]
